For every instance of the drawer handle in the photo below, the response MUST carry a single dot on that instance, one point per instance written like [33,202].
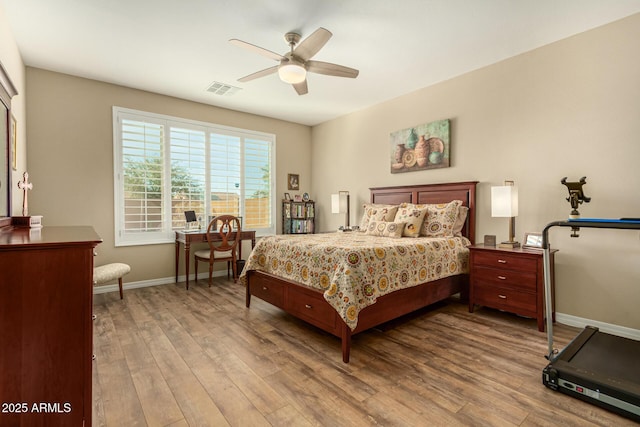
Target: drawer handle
[502,261]
[502,296]
[502,278]
[308,306]
[264,288]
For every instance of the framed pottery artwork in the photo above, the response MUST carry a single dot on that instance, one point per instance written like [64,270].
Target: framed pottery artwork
[293,181]
[426,146]
[532,241]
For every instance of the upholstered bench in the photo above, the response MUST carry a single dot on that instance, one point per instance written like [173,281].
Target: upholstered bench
[108,272]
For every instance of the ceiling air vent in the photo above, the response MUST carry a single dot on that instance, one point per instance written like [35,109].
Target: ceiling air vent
[218,88]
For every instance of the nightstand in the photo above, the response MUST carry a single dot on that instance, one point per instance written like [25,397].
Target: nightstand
[509,279]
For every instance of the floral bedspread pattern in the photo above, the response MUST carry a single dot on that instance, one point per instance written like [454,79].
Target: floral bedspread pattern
[354,269]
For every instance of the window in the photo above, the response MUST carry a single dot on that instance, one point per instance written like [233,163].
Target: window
[164,166]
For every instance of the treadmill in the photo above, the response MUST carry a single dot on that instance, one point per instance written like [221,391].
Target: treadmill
[596,367]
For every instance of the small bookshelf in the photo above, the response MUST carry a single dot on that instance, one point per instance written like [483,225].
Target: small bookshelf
[298,217]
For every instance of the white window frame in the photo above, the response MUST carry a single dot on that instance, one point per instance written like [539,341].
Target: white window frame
[167,233]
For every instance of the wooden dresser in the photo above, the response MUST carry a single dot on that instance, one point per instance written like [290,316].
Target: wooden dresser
[46,296]
[509,279]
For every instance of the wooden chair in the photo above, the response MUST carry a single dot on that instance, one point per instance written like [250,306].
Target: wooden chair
[223,244]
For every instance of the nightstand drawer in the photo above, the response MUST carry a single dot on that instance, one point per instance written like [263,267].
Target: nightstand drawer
[506,278]
[505,299]
[504,260]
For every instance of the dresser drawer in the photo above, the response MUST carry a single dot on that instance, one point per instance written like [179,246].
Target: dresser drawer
[504,260]
[514,279]
[507,299]
[269,291]
[311,307]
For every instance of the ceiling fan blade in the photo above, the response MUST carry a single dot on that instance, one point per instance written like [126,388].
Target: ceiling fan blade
[330,69]
[258,74]
[312,44]
[257,49]
[301,88]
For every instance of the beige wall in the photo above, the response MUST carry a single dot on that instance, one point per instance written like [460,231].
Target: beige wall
[12,62]
[71,157]
[568,109]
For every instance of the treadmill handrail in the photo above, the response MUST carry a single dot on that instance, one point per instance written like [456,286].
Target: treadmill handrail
[575,225]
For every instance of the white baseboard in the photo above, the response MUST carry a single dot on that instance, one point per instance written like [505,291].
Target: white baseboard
[580,322]
[103,289]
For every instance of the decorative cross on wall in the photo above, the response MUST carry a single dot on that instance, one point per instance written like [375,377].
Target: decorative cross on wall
[25,185]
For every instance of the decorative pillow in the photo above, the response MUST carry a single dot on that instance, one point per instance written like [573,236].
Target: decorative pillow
[460,221]
[385,229]
[412,217]
[441,219]
[377,212]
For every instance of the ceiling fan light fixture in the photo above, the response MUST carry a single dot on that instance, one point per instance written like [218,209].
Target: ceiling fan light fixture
[292,73]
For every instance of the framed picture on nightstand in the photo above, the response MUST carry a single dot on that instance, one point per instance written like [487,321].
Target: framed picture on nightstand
[532,241]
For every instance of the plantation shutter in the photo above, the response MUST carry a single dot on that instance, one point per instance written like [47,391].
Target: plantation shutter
[257,173]
[188,174]
[225,175]
[164,166]
[142,177]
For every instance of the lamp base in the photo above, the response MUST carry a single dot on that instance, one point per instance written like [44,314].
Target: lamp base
[510,245]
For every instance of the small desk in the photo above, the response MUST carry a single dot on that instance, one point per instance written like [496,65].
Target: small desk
[198,236]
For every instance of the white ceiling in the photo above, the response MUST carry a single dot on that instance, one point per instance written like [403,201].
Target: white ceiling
[180,47]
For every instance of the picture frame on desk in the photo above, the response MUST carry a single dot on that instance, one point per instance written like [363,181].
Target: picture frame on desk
[532,241]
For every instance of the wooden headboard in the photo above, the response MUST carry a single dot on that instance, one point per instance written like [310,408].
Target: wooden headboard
[433,193]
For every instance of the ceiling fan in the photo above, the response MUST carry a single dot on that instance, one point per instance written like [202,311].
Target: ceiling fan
[295,64]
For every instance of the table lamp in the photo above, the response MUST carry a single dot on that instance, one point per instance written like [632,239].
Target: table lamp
[504,204]
[340,204]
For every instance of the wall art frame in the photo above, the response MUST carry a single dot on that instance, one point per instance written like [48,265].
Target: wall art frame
[293,181]
[422,147]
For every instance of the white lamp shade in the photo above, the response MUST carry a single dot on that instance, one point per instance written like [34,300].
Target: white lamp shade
[292,73]
[339,203]
[504,201]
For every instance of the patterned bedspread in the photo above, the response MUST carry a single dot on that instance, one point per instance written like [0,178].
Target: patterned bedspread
[354,269]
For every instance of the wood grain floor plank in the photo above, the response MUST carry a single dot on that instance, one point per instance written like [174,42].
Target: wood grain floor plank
[254,387]
[155,396]
[236,408]
[118,396]
[171,357]
[288,416]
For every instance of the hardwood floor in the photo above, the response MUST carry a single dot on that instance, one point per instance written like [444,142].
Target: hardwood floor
[170,357]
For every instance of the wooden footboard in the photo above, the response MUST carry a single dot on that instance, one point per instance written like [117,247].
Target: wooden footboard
[308,304]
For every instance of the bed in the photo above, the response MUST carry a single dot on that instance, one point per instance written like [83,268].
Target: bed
[275,273]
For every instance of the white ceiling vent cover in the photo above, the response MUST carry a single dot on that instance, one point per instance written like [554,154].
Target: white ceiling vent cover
[218,88]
